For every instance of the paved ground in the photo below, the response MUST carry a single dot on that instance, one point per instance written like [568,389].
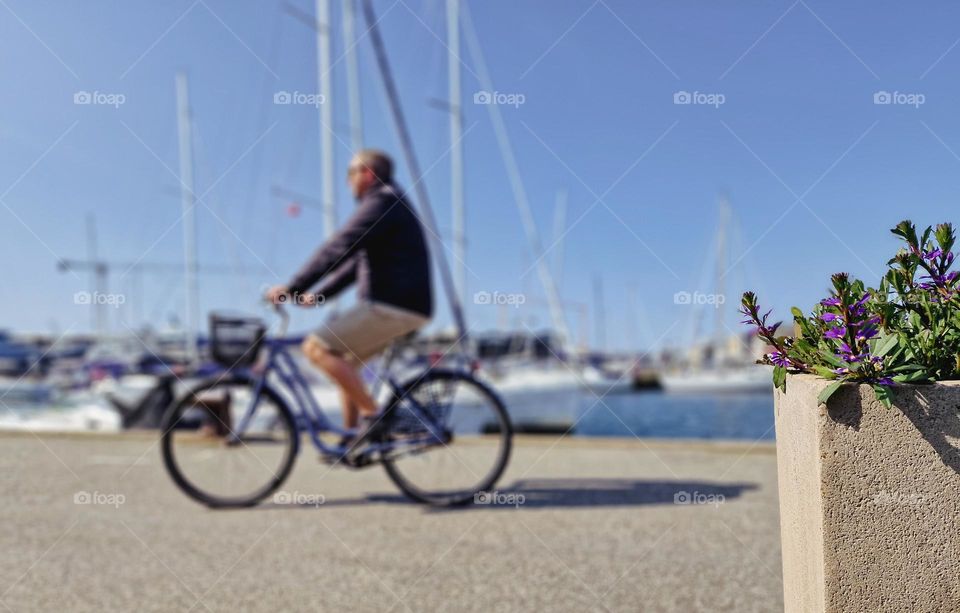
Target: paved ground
[599,530]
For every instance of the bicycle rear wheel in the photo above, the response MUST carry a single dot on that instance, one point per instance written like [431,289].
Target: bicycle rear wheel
[476,446]
[216,458]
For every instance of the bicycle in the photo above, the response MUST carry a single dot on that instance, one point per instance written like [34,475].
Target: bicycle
[443,436]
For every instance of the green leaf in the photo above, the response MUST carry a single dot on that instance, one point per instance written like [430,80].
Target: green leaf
[884,394]
[907,368]
[780,378]
[828,391]
[911,377]
[829,358]
[885,345]
[824,372]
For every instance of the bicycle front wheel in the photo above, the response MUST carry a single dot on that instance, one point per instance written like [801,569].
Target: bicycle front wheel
[473,452]
[225,445]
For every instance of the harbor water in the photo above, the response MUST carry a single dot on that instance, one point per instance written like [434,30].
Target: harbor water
[644,414]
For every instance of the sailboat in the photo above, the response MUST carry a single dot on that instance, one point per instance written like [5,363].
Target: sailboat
[722,379]
[726,362]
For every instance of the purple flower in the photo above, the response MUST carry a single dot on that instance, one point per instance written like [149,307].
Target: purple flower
[829,317]
[779,359]
[838,332]
[867,328]
[830,302]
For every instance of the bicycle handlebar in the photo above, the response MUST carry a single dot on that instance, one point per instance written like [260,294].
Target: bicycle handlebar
[284,315]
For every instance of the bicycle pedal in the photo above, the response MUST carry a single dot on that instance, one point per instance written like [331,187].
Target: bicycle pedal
[329,459]
[362,459]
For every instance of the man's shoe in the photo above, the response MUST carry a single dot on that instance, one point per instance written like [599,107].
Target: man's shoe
[333,457]
[370,427]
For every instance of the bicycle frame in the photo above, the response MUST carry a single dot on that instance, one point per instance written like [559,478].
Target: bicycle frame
[309,415]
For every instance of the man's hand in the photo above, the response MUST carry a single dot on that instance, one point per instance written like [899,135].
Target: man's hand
[278,294]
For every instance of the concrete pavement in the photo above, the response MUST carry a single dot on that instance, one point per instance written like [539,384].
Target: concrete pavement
[93,523]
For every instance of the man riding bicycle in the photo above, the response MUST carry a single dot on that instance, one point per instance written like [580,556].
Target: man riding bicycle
[382,249]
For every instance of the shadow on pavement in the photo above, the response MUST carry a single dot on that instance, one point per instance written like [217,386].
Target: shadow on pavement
[560,494]
[580,493]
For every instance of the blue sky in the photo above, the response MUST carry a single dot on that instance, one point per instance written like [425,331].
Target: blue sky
[816,172]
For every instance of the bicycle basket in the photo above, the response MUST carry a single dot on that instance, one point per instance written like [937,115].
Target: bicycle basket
[235,341]
[433,397]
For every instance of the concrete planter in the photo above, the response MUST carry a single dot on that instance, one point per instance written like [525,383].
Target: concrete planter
[869,498]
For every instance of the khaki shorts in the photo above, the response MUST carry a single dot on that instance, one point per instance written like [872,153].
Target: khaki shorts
[367,329]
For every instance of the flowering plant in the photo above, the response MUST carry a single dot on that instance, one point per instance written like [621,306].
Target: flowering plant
[906,331]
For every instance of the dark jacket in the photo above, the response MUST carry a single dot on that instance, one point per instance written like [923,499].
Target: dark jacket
[381,248]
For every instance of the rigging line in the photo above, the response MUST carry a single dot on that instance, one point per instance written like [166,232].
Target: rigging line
[262,118]
[406,143]
[227,242]
[516,181]
[170,294]
[697,311]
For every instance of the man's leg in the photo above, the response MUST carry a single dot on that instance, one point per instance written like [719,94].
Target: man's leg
[350,414]
[345,375]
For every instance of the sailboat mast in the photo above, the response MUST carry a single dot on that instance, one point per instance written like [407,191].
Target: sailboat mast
[721,265]
[324,53]
[559,231]
[192,324]
[98,277]
[353,75]
[517,186]
[456,153]
[406,144]
[600,315]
